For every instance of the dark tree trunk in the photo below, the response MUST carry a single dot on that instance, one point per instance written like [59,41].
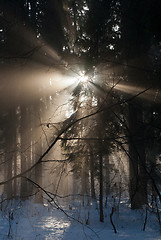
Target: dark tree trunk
[25,131]
[91,159]
[136,43]
[101,186]
[37,150]
[107,174]
[84,180]
[137,161]
[133,161]
[10,150]
[142,158]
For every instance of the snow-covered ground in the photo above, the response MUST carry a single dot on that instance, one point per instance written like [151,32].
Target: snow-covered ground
[26,220]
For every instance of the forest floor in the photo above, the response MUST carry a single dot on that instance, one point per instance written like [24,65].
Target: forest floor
[29,221]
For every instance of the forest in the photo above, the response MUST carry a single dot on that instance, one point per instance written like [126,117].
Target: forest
[80,118]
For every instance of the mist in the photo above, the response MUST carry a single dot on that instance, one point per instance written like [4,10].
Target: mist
[80,139]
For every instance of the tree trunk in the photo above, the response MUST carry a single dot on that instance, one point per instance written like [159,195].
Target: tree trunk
[37,150]
[101,186]
[10,150]
[84,180]
[142,159]
[137,162]
[25,131]
[107,189]
[91,159]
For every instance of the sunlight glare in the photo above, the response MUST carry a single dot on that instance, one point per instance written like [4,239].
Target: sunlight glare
[148,94]
[82,77]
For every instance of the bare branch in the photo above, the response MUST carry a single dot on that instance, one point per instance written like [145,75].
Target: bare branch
[68,127]
[58,206]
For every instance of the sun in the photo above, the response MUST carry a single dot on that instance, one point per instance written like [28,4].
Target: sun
[82,77]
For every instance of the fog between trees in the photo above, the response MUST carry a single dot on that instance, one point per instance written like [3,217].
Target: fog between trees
[99,137]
